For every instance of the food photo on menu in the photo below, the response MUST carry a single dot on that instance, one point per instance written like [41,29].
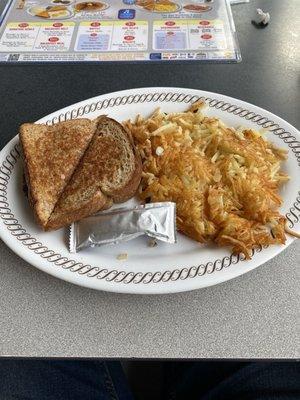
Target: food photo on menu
[141,30]
[149,147]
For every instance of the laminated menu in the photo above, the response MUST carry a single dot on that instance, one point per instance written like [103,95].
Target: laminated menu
[119,30]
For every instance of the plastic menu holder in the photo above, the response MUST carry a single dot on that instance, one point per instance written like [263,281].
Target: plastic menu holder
[117,31]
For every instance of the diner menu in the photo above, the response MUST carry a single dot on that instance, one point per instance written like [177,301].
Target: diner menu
[119,30]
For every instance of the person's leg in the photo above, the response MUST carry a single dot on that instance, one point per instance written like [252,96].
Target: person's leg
[62,380]
[232,381]
[260,381]
[189,379]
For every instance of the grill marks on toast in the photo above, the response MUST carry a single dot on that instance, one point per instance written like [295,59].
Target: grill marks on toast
[109,171]
[51,154]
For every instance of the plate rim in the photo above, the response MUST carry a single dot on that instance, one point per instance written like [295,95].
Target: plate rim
[173,274]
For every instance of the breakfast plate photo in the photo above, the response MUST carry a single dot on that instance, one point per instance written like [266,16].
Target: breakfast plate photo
[90,6]
[53,12]
[160,6]
[197,8]
[163,268]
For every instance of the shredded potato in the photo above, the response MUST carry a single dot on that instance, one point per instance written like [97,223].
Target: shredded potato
[224,181]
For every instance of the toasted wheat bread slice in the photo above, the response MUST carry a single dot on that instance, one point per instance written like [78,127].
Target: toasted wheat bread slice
[109,171]
[122,184]
[51,154]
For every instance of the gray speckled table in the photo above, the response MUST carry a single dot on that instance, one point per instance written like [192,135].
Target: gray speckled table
[254,316]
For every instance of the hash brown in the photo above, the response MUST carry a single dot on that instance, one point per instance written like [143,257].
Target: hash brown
[225,181]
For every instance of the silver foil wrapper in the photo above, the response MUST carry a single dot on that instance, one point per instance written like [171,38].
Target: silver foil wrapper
[157,220]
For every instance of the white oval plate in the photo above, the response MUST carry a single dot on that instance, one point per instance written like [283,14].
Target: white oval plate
[164,268]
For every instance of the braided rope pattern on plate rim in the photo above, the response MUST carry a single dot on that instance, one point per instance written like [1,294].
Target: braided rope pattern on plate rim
[19,232]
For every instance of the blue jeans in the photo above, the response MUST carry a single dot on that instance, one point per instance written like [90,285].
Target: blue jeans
[62,380]
[232,381]
[98,380]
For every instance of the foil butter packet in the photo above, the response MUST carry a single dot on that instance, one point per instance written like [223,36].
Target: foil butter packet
[156,220]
